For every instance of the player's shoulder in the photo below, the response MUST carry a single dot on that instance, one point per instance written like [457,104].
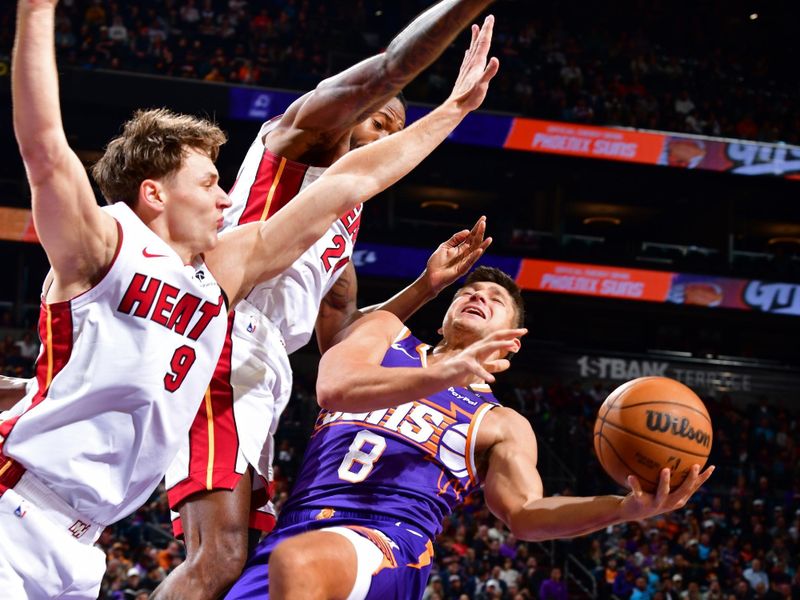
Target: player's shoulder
[380,322]
[503,423]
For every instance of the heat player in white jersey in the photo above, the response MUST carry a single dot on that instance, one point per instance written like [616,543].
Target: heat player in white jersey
[219,481]
[135,318]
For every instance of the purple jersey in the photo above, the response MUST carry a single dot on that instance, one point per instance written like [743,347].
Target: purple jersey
[414,462]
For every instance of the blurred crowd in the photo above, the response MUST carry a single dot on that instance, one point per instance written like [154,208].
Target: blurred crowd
[18,352]
[711,69]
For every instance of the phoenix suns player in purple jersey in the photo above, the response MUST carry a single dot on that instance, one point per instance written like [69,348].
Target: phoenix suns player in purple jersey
[406,432]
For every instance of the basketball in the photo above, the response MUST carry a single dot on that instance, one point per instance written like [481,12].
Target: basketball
[650,423]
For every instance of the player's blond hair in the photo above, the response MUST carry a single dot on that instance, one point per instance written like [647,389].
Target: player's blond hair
[153,145]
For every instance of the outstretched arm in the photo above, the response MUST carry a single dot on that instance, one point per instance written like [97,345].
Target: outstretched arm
[256,252]
[351,378]
[340,102]
[78,237]
[451,260]
[513,489]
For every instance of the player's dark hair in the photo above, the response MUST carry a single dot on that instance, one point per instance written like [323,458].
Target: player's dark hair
[493,275]
[153,145]
[403,101]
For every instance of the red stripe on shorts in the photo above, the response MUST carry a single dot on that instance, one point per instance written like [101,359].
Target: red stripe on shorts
[213,440]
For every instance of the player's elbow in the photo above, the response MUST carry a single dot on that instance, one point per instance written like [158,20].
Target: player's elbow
[398,67]
[331,393]
[521,529]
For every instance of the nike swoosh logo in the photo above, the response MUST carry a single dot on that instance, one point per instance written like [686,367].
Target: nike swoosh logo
[147,254]
[404,351]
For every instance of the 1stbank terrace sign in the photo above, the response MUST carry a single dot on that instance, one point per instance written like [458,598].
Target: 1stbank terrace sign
[624,369]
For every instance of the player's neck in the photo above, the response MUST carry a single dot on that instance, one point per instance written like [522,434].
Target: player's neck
[158,225]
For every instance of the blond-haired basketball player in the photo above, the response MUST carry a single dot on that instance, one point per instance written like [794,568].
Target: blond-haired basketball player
[135,318]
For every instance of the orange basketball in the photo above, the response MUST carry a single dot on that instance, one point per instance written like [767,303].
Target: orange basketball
[648,424]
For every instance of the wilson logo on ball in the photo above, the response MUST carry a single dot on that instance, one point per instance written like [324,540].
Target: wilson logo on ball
[664,422]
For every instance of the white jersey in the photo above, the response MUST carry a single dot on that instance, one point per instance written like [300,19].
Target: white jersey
[253,379]
[123,369]
[265,183]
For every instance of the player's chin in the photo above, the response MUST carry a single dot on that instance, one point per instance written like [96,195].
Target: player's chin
[471,326]
[212,239]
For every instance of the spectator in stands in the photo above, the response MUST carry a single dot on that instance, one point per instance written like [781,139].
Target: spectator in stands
[755,575]
[28,347]
[554,587]
[640,590]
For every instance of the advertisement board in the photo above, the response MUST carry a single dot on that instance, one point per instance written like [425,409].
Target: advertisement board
[585,141]
[601,281]
[569,139]
[16,225]
[594,280]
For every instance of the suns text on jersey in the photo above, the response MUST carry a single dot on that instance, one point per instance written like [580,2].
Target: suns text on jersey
[419,422]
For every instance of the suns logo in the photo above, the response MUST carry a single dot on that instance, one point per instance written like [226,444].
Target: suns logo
[453,449]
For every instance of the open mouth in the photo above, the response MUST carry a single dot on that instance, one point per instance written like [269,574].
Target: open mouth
[473,309]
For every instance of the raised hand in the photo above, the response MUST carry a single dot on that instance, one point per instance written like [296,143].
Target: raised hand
[641,505]
[473,79]
[455,257]
[480,359]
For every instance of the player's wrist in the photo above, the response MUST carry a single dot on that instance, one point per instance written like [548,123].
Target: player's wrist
[426,285]
[444,374]
[454,107]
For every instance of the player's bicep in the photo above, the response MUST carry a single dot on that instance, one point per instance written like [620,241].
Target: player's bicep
[78,237]
[338,103]
[338,308]
[362,344]
[366,340]
[232,260]
[512,480]
[342,101]
[266,249]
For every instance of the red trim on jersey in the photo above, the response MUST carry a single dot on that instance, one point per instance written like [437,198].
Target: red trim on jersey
[258,520]
[277,181]
[10,473]
[342,262]
[213,438]
[262,495]
[262,521]
[258,498]
[55,331]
